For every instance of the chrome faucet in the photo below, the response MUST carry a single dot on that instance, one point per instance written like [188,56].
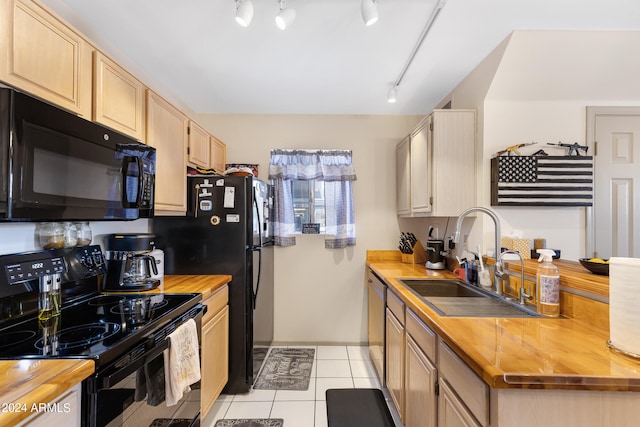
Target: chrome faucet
[496,223]
[500,272]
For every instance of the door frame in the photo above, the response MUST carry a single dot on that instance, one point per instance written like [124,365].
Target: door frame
[593,112]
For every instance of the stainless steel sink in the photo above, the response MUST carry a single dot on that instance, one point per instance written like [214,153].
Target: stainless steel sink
[452,297]
[440,288]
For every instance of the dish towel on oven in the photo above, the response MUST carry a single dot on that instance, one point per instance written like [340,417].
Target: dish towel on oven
[181,361]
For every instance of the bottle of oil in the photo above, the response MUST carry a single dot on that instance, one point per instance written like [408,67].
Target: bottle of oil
[548,285]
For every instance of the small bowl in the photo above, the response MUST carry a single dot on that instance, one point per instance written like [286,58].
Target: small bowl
[595,267]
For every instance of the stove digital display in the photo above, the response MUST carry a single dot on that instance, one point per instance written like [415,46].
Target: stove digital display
[29,270]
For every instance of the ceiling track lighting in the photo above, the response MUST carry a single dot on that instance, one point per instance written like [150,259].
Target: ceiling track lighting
[369,9]
[423,35]
[286,16]
[392,96]
[244,12]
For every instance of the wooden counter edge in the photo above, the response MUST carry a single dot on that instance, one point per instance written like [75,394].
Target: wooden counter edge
[44,387]
[203,284]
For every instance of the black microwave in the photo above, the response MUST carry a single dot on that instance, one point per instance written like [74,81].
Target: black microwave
[58,166]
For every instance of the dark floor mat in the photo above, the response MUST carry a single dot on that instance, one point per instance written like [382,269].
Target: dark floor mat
[357,407]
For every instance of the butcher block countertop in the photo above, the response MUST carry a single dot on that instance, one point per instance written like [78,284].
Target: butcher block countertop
[539,353]
[26,382]
[204,285]
[29,382]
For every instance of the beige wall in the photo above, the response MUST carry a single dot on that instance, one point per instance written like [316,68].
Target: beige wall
[319,293]
[535,86]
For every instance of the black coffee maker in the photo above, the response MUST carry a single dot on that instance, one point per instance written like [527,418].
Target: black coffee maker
[129,264]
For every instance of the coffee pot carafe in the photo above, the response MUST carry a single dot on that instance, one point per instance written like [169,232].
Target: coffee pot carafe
[130,267]
[435,252]
[435,255]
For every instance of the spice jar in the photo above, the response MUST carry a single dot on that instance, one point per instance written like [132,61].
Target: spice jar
[51,235]
[84,233]
[70,235]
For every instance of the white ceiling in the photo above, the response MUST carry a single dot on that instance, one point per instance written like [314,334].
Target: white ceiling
[327,62]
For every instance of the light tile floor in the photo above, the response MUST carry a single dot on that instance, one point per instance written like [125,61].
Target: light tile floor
[334,367]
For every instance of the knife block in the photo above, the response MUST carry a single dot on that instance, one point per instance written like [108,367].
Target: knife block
[419,255]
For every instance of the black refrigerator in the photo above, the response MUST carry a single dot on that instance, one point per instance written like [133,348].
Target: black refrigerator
[225,231]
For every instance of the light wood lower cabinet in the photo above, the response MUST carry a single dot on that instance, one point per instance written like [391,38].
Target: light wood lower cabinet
[42,56]
[118,98]
[451,410]
[395,350]
[473,393]
[215,349]
[421,376]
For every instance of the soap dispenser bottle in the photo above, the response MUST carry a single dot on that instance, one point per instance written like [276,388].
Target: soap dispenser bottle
[548,285]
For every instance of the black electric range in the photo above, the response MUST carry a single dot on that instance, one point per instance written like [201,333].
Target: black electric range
[124,334]
[89,325]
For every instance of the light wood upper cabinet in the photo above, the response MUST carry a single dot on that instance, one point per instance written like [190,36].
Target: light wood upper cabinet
[453,162]
[435,169]
[199,149]
[42,56]
[118,98]
[218,155]
[403,176]
[421,168]
[167,133]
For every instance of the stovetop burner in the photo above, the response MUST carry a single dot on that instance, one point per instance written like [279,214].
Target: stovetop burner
[127,307]
[104,300]
[12,338]
[81,336]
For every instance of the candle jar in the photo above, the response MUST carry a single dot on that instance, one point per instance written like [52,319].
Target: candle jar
[51,235]
[70,235]
[84,233]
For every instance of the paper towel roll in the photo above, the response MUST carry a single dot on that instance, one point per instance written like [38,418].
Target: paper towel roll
[624,304]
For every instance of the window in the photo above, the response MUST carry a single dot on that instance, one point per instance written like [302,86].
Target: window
[308,203]
[313,187]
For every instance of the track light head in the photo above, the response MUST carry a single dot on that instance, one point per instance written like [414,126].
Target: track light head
[369,12]
[244,12]
[392,96]
[286,16]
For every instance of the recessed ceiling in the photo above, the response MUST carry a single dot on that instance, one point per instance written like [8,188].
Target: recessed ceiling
[327,61]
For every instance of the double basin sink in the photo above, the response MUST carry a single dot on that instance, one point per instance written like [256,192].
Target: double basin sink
[452,297]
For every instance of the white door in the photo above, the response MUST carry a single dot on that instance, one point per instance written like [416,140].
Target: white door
[616,212]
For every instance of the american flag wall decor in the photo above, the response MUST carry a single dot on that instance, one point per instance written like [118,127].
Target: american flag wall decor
[542,181]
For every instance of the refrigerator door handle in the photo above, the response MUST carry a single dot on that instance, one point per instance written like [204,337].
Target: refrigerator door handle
[258,216]
[255,293]
[257,248]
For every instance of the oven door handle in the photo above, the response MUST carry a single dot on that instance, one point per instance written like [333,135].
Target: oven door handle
[113,376]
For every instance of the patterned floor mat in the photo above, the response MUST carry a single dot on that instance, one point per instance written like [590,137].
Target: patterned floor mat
[286,369]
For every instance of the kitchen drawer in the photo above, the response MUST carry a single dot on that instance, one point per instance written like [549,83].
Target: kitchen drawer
[422,335]
[396,306]
[467,385]
[215,302]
